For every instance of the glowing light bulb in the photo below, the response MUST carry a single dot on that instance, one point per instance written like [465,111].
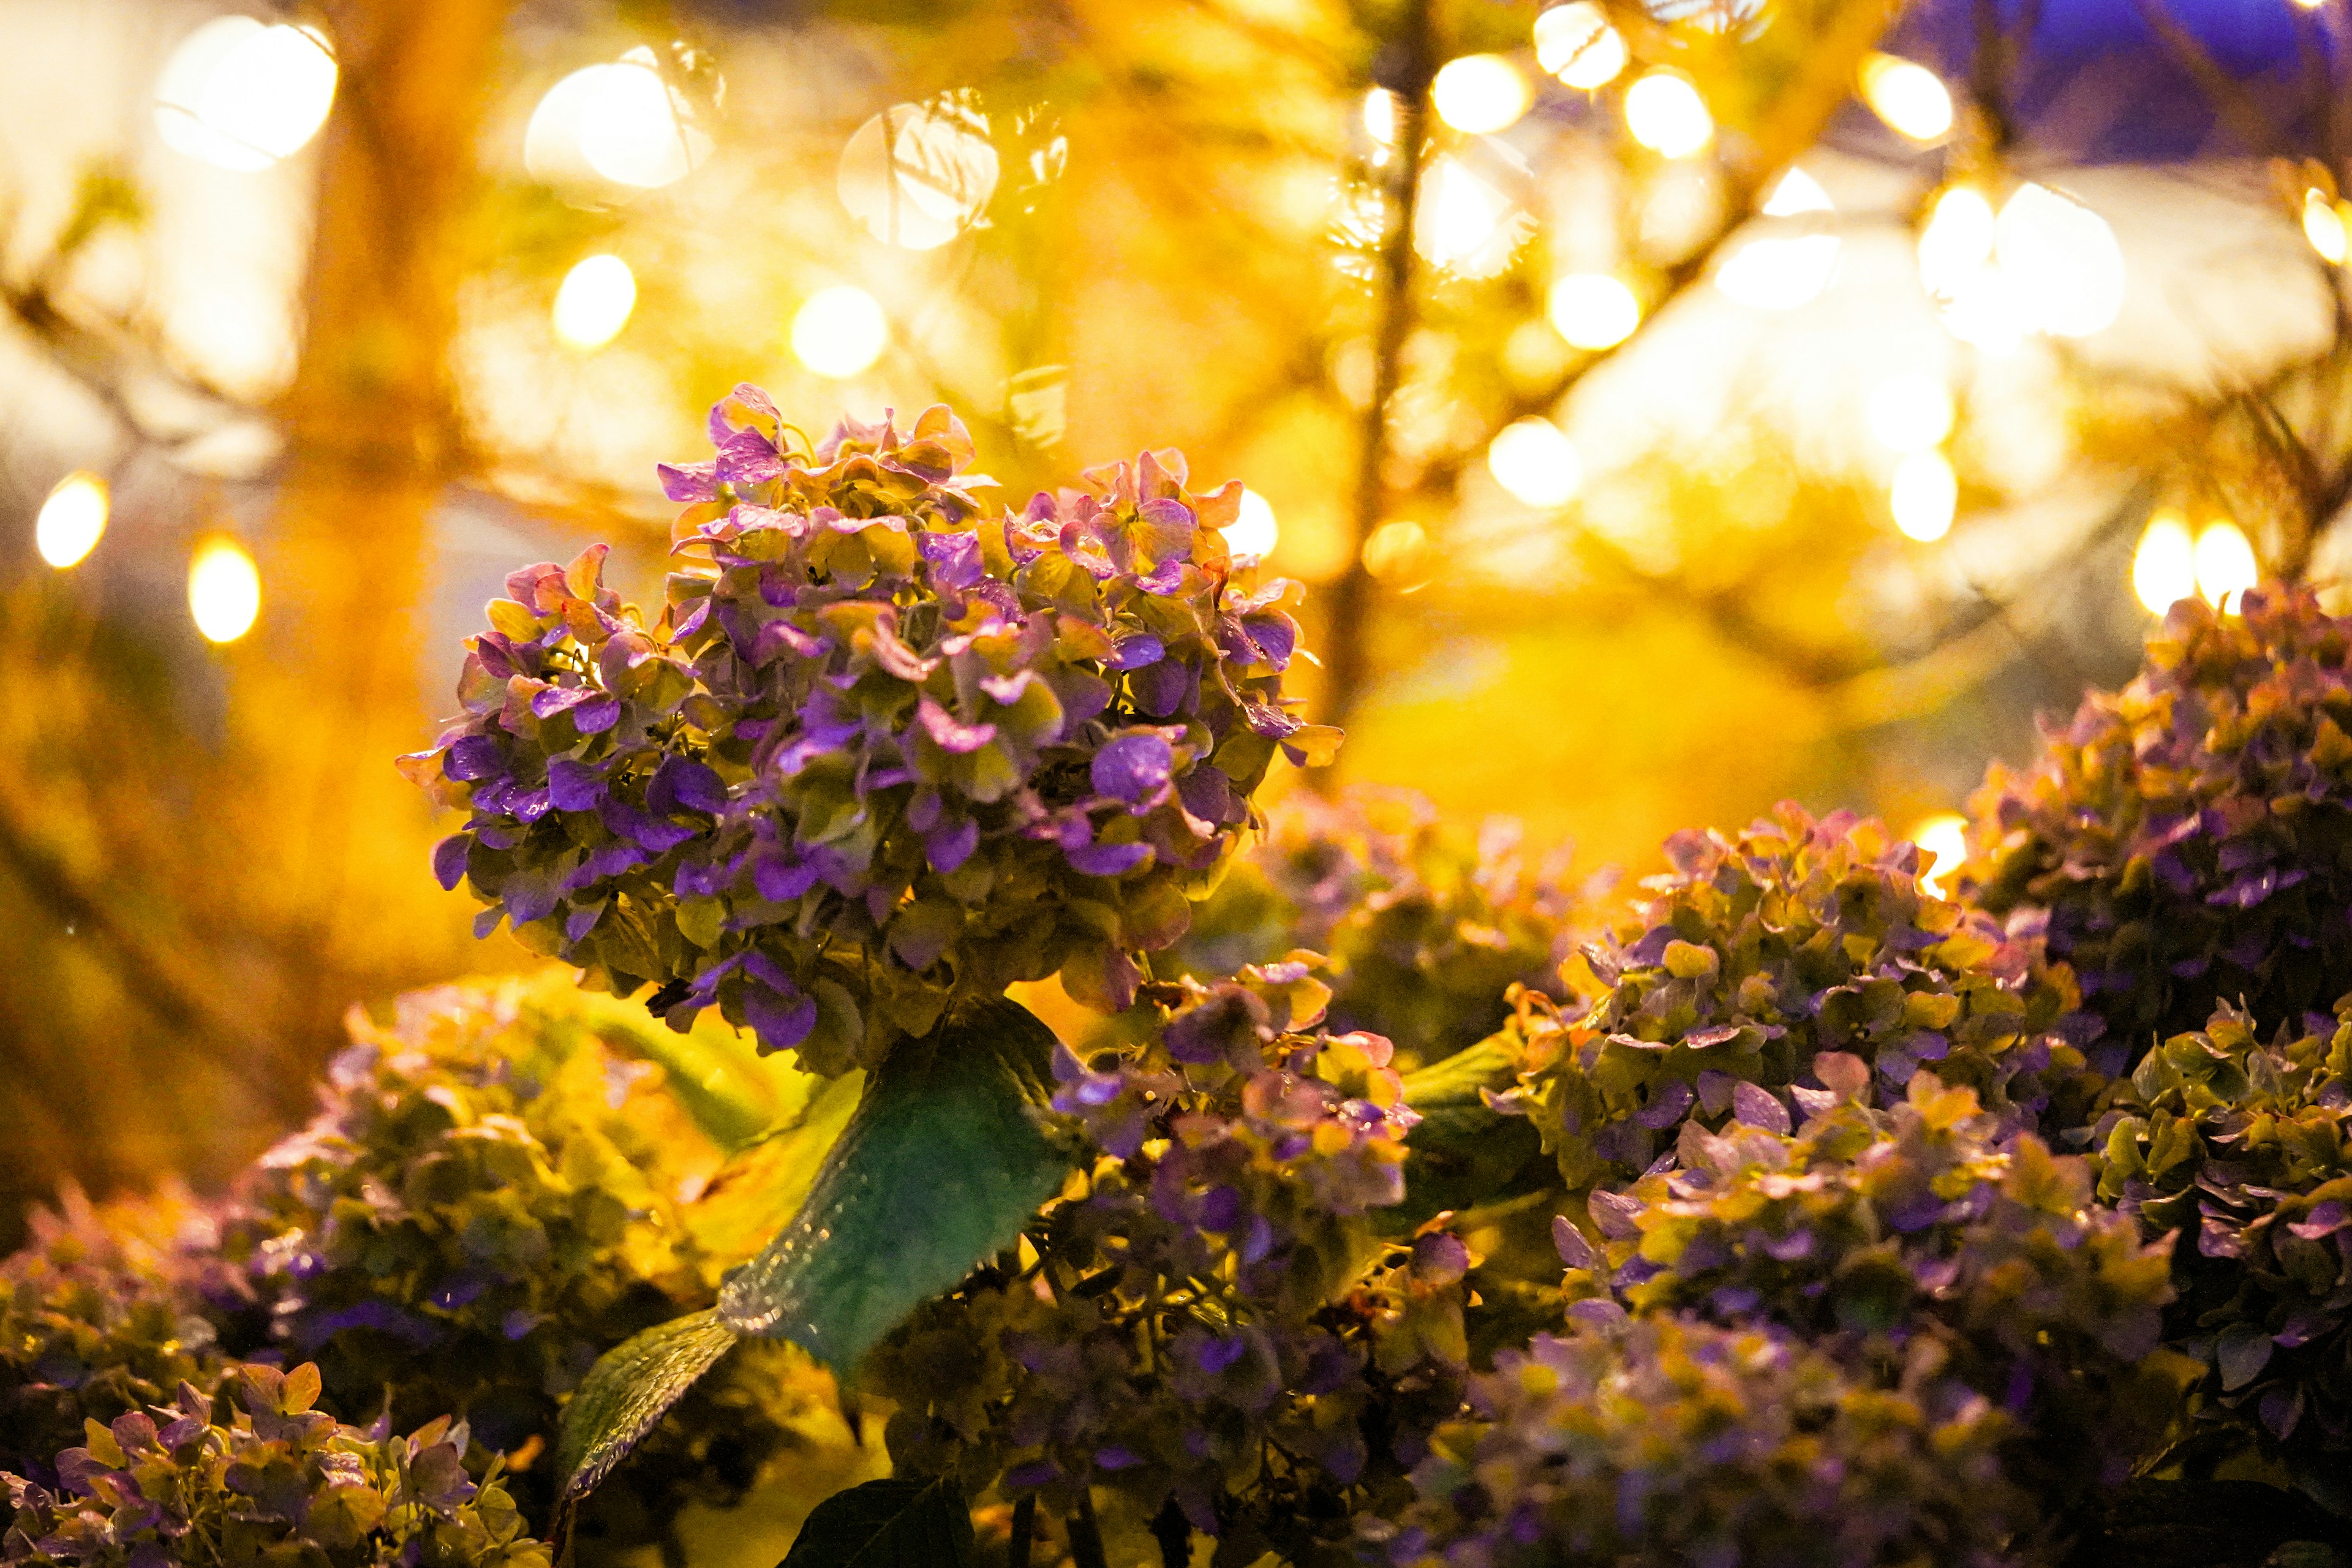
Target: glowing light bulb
[2164,566]
[1480,94]
[1924,496]
[1943,841]
[224,590]
[1255,531]
[2225,564]
[1398,555]
[1911,99]
[1575,43]
[2063,260]
[928,183]
[594,303]
[1665,114]
[1535,462]
[1593,311]
[1910,411]
[243,95]
[840,332]
[620,122]
[1380,116]
[2323,225]
[1956,242]
[72,520]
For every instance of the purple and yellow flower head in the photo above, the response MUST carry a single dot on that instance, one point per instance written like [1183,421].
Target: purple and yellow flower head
[886,749]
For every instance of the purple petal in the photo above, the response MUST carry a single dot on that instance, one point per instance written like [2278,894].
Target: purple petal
[781,1022]
[688,482]
[449,860]
[473,757]
[948,732]
[1110,859]
[950,846]
[1133,768]
[954,559]
[573,786]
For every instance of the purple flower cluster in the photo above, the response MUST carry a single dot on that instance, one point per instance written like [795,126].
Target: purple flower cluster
[1665,1440]
[1199,1328]
[2188,840]
[886,749]
[1761,951]
[260,1477]
[1928,1220]
[106,1309]
[2248,1148]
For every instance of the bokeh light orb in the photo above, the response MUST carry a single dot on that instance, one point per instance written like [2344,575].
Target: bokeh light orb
[840,332]
[72,520]
[224,590]
[1576,43]
[242,94]
[593,302]
[1480,94]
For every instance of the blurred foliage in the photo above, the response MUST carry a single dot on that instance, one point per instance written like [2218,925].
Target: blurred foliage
[258,1476]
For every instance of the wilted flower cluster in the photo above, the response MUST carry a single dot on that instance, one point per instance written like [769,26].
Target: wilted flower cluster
[259,1476]
[1763,950]
[107,1309]
[1925,1220]
[1667,1440]
[1424,930]
[2186,840]
[487,1203]
[884,750]
[1200,1329]
[2248,1147]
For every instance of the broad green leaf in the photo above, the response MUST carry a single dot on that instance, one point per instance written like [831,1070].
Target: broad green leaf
[732,1092]
[909,1523]
[1463,1153]
[938,1169]
[628,1390]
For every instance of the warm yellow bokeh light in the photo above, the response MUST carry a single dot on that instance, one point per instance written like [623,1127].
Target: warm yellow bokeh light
[1910,98]
[2225,564]
[1535,462]
[1380,116]
[1956,242]
[1463,223]
[620,122]
[1398,555]
[917,176]
[240,94]
[1576,43]
[1794,194]
[1665,114]
[2323,225]
[2062,260]
[1480,94]
[1593,311]
[224,590]
[1780,274]
[1255,531]
[1924,496]
[1943,841]
[72,520]
[840,332]
[2164,567]
[594,302]
[1910,411]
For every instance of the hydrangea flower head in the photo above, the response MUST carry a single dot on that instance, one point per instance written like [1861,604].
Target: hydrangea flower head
[2247,1146]
[1759,951]
[2188,840]
[1210,1333]
[885,749]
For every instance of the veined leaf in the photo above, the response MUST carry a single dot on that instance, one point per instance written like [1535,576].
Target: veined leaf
[628,1390]
[908,1523]
[940,1166]
[724,1084]
[1464,1153]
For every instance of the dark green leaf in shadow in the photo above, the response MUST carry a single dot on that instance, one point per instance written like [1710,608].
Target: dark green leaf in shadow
[909,1523]
[939,1168]
[628,1391]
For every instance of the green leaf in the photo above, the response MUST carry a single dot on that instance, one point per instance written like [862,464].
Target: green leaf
[628,1390]
[732,1092]
[942,1162]
[908,1523]
[1464,1153]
